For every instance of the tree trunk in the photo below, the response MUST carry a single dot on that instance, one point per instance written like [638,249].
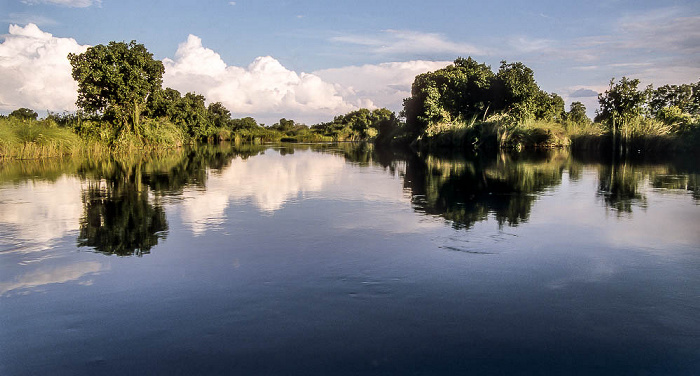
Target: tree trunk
[136,116]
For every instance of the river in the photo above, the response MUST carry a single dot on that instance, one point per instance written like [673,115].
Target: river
[346,259]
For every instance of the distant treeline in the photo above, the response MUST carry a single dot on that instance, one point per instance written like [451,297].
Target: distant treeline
[466,105]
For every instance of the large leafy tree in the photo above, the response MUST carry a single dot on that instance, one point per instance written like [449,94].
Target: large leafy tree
[622,102]
[116,80]
[162,103]
[549,106]
[685,97]
[516,91]
[362,124]
[191,114]
[460,90]
[220,116]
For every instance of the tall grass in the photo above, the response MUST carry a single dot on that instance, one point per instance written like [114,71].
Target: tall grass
[496,132]
[28,139]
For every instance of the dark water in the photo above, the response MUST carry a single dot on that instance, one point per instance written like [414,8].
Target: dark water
[325,259]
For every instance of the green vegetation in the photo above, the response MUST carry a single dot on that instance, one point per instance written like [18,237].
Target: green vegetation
[360,125]
[467,106]
[115,81]
[24,138]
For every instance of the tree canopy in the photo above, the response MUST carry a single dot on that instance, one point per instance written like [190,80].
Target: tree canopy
[577,113]
[460,90]
[467,90]
[24,114]
[362,124]
[116,80]
[621,102]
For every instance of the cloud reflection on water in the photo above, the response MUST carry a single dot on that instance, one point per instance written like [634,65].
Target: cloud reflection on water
[43,276]
[268,181]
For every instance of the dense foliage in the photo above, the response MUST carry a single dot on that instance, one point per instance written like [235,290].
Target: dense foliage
[23,114]
[467,105]
[360,125]
[116,80]
[467,90]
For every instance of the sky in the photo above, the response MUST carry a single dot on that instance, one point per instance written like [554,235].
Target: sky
[312,60]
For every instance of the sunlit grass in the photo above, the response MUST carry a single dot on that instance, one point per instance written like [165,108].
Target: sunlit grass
[35,139]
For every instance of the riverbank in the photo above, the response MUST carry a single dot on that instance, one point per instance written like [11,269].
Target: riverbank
[499,133]
[35,139]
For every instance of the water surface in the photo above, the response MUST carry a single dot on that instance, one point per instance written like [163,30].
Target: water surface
[342,259]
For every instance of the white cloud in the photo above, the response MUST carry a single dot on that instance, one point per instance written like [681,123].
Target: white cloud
[265,89]
[386,83]
[406,42]
[66,3]
[35,72]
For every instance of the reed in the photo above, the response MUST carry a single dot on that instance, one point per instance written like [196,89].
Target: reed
[29,139]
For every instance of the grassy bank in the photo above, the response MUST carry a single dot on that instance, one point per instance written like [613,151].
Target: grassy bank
[29,139]
[72,135]
[496,132]
[499,132]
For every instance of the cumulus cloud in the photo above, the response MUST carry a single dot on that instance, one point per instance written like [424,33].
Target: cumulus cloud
[265,89]
[66,3]
[35,71]
[407,42]
[386,83]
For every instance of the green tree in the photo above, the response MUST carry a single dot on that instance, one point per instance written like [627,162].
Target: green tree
[621,103]
[386,123]
[577,113]
[244,123]
[219,115]
[549,106]
[360,125]
[190,113]
[116,80]
[163,103]
[460,90]
[24,114]
[284,125]
[685,97]
[516,91]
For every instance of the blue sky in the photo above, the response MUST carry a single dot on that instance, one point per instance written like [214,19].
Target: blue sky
[314,59]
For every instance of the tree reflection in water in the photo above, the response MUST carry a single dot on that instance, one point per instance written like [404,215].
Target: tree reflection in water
[120,217]
[123,214]
[121,221]
[468,189]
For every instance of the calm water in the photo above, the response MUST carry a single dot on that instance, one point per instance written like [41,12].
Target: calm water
[345,260]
